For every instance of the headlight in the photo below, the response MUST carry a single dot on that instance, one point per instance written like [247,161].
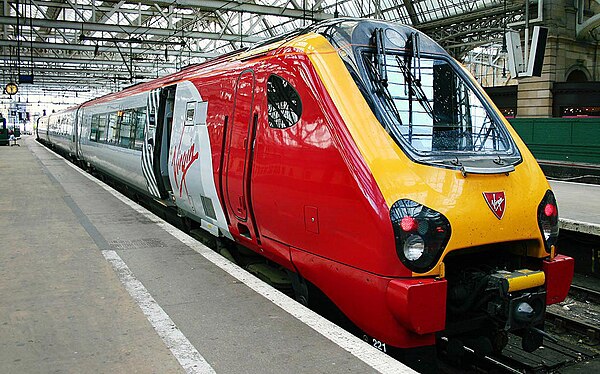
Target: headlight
[548,220]
[421,234]
[414,247]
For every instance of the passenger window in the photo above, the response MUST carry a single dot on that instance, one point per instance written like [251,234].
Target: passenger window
[102,128]
[113,128]
[124,128]
[140,123]
[125,135]
[283,101]
[94,128]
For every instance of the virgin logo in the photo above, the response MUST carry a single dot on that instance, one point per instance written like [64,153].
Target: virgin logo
[181,163]
[496,201]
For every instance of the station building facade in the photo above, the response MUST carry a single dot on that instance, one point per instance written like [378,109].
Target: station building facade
[570,82]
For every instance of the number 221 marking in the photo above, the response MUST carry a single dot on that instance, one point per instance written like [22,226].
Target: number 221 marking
[379,345]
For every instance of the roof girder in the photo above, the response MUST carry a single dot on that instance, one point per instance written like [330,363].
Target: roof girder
[104,48]
[131,30]
[244,7]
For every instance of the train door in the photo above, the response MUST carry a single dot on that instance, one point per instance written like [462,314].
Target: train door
[157,140]
[238,164]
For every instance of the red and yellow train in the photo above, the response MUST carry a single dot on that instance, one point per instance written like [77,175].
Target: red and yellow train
[362,158]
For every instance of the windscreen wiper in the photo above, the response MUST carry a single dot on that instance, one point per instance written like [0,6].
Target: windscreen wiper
[378,70]
[414,83]
[380,62]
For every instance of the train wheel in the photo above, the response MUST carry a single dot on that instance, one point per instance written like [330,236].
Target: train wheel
[499,340]
[300,288]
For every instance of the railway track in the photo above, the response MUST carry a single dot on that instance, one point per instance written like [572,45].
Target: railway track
[579,313]
[575,323]
[584,291]
[561,356]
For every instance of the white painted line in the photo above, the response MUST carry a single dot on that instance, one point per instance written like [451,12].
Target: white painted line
[364,352]
[187,355]
[184,351]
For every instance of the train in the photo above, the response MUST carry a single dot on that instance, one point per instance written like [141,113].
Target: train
[358,159]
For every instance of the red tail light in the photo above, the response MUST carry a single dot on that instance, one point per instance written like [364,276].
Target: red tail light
[409,224]
[550,210]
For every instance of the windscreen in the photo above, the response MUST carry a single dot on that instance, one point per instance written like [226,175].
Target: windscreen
[428,107]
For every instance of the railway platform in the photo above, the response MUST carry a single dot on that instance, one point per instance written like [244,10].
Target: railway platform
[92,282]
[580,172]
[579,206]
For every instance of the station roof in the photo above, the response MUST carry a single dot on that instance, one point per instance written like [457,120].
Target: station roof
[98,46]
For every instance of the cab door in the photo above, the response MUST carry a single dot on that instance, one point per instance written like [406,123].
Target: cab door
[239,144]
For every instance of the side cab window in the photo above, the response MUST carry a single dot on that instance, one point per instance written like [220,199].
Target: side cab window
[283,102]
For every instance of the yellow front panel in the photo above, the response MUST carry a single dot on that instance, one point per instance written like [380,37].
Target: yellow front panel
[460,199]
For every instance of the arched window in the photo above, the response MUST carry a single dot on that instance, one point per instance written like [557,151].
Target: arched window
[283,101]
[577,76]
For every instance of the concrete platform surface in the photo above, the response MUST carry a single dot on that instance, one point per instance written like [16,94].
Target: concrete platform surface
[89,284]
[578,206]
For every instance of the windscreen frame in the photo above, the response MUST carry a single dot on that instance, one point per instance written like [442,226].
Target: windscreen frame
[352,36]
